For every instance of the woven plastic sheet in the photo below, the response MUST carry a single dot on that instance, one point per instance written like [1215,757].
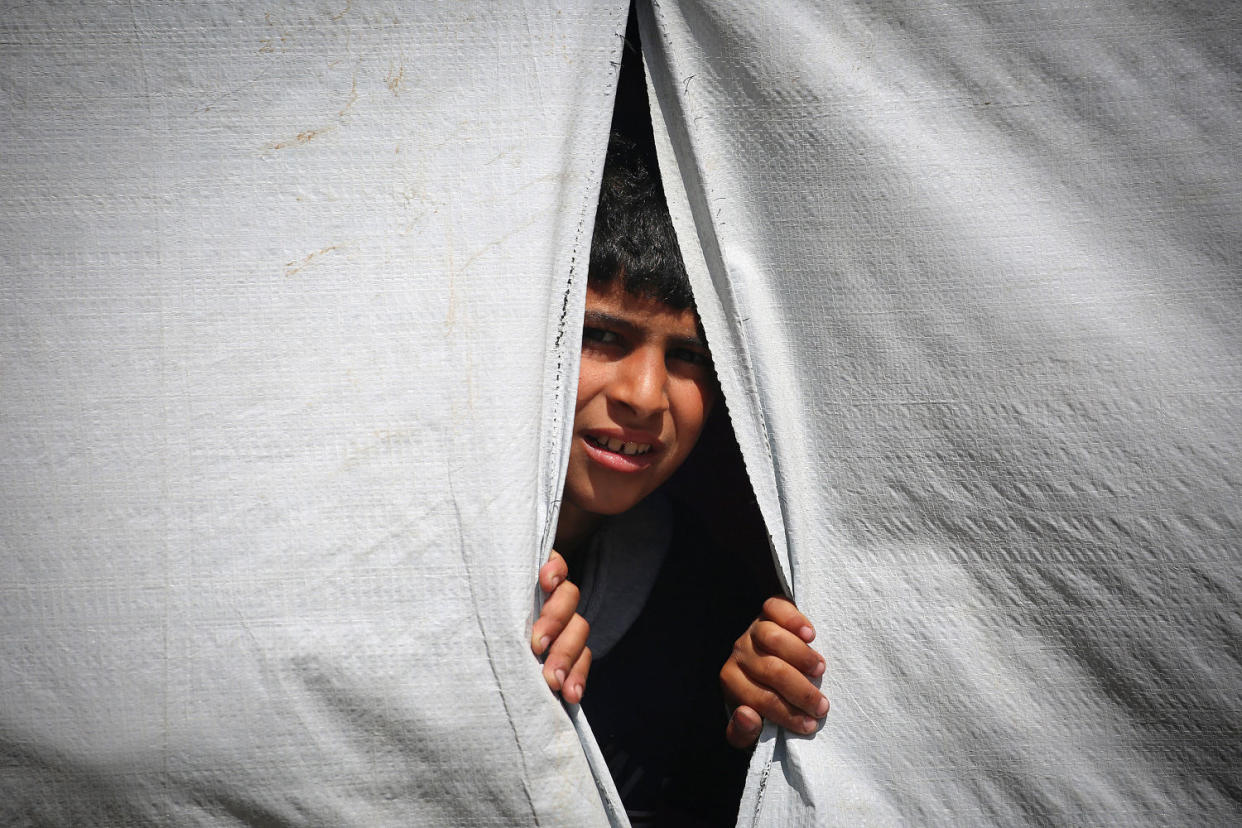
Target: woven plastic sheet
[288,320]
[283,304]
[970,275]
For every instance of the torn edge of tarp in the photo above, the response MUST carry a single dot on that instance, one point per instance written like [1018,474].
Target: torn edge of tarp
[726,326]
[561,380]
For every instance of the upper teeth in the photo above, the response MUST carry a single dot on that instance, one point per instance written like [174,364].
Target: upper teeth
[613,444]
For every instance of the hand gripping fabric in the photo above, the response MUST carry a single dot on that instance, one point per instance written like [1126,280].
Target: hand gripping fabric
[286,306]
[970,275]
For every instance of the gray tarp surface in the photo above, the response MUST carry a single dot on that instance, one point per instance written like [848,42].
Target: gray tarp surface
[288,326]
[282,294]
[978,265]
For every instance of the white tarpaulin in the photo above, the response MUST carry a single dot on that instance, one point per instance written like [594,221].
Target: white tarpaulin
[289,307]
[282,293]
[979,268]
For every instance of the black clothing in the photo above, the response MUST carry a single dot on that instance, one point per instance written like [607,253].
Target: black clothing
[654,701]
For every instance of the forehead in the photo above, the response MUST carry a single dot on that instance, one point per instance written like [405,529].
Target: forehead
[643,312]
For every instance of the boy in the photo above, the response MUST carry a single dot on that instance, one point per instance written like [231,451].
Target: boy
[660,609]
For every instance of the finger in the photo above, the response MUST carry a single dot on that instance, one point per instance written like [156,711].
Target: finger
[740,690]
[782,611]
[564,652]
[770,639]
[553,572]
[744,727]
[554,617]
[776,676]
[774,688]
[764,701]
[575,685]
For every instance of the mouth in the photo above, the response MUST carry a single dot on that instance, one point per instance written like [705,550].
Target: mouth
[618,446]
[616,454]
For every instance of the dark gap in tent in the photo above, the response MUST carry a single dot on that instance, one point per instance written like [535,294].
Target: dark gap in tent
[670,580]
[712,486]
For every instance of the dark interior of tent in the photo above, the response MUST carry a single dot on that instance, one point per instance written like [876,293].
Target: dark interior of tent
[713,484]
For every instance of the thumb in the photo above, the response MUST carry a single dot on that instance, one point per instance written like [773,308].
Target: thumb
[744,727]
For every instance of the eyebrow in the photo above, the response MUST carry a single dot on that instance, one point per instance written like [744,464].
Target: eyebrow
[602,319]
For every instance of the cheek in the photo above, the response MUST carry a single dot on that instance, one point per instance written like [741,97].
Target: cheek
[709,392]
[591,380]
[691,404]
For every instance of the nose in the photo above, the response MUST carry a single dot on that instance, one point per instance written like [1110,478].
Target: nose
[641,382]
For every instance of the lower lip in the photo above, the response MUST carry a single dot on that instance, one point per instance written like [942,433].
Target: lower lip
[618,462]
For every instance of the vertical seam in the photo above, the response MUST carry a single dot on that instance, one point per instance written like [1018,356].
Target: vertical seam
[746,367]
[763,786]
[553,438]
[558,386]
[724,289]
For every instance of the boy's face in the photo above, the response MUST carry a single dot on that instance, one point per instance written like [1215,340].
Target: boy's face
[645,388]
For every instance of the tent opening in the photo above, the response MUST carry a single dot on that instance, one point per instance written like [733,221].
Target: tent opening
[673,570]
[713,486]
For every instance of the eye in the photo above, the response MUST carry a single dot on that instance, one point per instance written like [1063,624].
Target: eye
[599,336]
[691,357]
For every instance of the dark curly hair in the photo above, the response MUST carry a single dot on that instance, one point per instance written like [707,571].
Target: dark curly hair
[634,240]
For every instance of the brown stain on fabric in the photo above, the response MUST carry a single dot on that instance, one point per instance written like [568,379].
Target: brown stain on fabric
[353,96]
[301,138]
[296,265]
[268,45]
[394,78]
[308,135]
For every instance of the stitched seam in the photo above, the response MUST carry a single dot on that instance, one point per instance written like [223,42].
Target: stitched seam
[591,195]
[740,343]
[763,786]
[553,418]
[741,347]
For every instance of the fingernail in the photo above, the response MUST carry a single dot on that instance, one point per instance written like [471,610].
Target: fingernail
[544,642]
[560,677]
[806,634]
[821,709]
[556,581]
[807,725]
[819,670]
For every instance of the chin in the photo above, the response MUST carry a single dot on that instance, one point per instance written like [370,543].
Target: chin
[613,505]
[611,502]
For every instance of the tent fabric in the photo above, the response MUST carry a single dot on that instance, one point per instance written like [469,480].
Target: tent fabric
[288,338]
[970,276]
[284,314]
